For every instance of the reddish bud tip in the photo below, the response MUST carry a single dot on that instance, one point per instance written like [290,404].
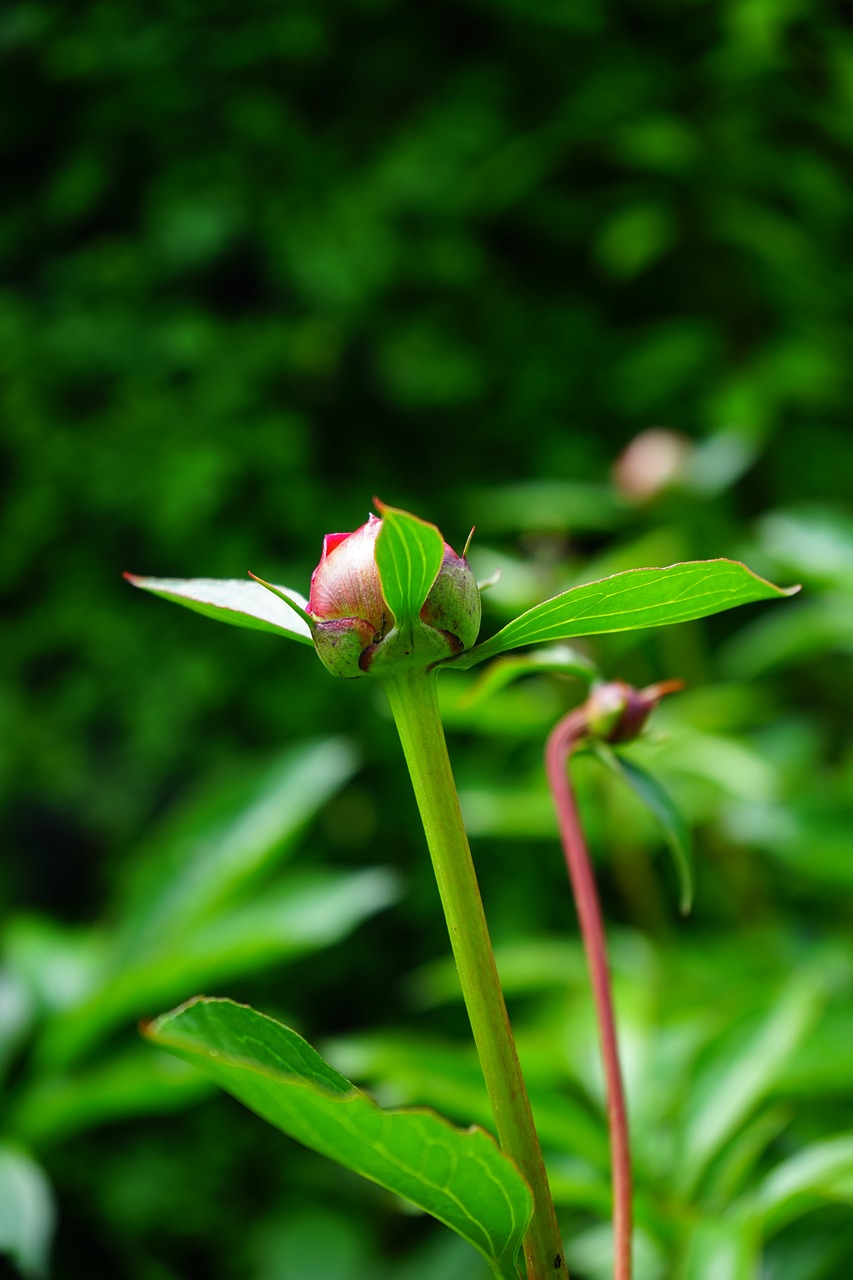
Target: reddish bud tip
[617,712]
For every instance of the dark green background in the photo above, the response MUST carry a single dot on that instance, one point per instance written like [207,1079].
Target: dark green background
[263,261]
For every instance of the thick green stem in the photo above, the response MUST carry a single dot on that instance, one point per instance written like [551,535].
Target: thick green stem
[414,703]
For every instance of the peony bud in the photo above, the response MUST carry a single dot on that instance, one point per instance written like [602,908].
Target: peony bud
[616,712]
[353,628]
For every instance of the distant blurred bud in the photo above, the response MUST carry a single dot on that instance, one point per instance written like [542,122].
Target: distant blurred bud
[353,625]
[616,712]
[650,463]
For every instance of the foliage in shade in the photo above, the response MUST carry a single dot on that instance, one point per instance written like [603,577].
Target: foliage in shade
[460,1177]
[187,912]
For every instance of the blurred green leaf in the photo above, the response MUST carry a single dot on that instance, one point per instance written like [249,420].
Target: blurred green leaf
[244,604]
[740,1074]
[233,831]
[120,1086]
[627,601]
[305,914]
[633,238]
[544,505]
[461,1178]
[559,660]
[663,808]
[819,1172]
[809,629]
[202,863]
[27,1211]
[726,1248]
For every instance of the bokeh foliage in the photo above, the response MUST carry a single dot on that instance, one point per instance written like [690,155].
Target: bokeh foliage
[262,261]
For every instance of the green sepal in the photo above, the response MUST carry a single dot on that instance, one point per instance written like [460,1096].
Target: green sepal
[409,552]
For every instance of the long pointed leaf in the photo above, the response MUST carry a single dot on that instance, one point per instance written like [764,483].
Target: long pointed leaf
[734,1082]
[663,809]
[459,1176]
[631,600]
[822,1171]
[243,604]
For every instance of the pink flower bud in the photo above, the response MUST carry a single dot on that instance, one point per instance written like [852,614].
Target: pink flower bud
[352,621]
[616,712]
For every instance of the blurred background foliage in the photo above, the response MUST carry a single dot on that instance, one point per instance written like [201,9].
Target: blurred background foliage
[577,273]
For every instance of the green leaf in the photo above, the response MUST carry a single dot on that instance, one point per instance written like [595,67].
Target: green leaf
[409,553]
[27,1212]
[448,1076]
[131,1083]
[459,1176]
[303,915]
[820,1172]
[559,659]
[727,1247]
[663,808]
[244,604]
[739,1076]
[235,828]
[195,889]
[630,600]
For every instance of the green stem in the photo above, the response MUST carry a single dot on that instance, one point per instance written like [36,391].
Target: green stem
[414,703]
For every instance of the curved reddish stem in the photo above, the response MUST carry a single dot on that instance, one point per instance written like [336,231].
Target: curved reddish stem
[561,743]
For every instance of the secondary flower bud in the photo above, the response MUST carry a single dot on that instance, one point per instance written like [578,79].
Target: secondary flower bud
[354,629]
[617,712]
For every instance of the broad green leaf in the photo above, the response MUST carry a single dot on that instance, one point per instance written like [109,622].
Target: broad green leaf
[408,556]
[459,1176]
[447,1076]
[822,1171]
[245,604]
[663,808]
[27,1212]
[631,600]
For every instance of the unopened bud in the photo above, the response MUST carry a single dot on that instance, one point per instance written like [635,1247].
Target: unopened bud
[353,627]
[617,712]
